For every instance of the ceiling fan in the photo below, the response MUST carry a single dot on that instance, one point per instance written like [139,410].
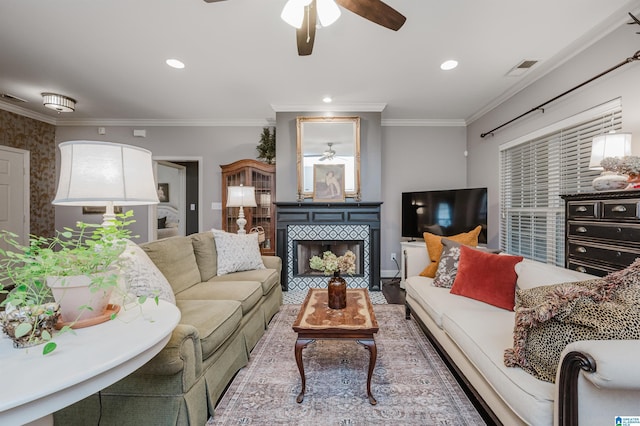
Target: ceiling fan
[304,14]
[328,153]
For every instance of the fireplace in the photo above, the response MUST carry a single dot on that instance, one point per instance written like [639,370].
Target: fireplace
[308,229]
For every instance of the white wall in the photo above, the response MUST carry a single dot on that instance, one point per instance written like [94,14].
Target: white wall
[483,160]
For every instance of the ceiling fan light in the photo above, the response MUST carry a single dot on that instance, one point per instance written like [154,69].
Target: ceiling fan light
[328,12]
[293,12]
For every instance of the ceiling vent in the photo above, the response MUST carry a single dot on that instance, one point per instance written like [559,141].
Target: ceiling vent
[521,68]
[11,98]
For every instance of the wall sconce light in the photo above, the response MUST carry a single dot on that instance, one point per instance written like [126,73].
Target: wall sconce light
[58,103]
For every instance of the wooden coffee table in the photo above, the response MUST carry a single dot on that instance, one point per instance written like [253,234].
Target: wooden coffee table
[317,321]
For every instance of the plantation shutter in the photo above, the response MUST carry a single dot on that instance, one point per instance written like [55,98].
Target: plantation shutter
[536,170]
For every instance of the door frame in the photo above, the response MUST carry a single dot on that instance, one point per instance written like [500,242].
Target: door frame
[170,158]
[26,209]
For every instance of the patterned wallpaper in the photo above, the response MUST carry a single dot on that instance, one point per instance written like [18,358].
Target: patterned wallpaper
[38,138]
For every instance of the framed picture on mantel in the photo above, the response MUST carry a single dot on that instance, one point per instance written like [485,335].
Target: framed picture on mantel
[328,182]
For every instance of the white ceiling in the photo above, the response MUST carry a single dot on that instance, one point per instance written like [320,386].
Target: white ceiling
[242,63]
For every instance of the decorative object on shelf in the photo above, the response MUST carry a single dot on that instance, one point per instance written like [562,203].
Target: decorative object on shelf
[260,231]
[241,196]
[267,146]
[337,288]
[606,150]
[630,165]
[94,173]
[329,263]
[58,103]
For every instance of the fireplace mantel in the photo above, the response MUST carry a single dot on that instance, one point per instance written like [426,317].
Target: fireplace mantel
[358,214]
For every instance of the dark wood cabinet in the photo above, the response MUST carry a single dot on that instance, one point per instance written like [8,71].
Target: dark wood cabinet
[262,176]
[602,231]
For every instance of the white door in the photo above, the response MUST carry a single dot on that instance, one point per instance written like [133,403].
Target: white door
[14,192]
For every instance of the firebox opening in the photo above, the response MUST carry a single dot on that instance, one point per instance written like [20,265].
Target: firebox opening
[305,250]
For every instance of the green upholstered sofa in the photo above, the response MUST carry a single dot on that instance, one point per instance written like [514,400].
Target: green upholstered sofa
[223,317]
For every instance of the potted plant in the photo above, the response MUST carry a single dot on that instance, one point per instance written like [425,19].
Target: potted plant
[612,177]
[267,147]
[51,267]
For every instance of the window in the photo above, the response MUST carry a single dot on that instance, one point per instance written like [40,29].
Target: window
[536,170]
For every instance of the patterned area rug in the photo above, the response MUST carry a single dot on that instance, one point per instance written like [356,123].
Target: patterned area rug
[410,382]
[296,297]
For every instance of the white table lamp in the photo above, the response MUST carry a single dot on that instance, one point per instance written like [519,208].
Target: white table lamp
[105,174]
[609,145]
[241,196]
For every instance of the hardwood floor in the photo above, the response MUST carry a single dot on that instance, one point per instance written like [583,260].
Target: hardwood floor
[392,291]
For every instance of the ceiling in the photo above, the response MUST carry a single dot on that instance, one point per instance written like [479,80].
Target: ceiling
[242,63]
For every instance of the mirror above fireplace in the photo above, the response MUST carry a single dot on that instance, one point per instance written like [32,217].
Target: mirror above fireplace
[328,141]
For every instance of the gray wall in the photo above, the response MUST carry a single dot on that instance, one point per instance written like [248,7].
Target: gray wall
[215,145]
[483,160]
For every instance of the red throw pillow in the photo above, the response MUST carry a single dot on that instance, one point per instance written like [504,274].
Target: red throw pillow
[487,277]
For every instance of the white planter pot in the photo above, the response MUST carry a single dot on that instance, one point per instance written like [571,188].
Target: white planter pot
[78,302]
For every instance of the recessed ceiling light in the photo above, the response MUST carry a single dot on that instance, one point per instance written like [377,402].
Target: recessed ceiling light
[449,65]
[327,99]
[174,63]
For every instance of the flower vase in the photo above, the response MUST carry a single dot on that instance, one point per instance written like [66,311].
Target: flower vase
[337,292]
[609,181]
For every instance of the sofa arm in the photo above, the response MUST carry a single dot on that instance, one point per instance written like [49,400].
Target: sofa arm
[415,260]
[182,353]
[272,262]
[608,365]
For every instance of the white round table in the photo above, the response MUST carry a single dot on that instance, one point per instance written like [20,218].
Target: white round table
[36,385]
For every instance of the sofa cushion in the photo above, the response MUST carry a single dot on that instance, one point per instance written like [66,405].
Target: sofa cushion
[435,300]
[248,293]
[141,276]
[237,252]
[487,277]
[533,274]
[434,247]
[204,248]
[268,278]
[175,258]
[481,333]
[215,320]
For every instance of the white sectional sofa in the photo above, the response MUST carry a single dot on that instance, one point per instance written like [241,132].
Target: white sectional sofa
[597,380]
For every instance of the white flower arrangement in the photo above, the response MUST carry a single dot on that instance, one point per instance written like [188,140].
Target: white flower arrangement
[330,263]
[627,165]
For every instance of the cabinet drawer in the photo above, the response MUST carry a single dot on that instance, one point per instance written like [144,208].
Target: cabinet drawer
[616,255]
[582,209]
[622,209]
[618,232]
[591,268]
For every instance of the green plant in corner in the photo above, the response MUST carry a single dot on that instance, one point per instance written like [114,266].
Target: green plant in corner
[267,146]
[87,250]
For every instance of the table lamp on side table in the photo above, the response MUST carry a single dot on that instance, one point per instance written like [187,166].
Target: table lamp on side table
[241,196]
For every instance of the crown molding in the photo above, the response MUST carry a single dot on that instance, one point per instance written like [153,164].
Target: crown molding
[364,107]
[241,122]
[6,106]
[427,122]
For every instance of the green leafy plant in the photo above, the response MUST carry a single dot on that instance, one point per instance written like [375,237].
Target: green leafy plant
[330,263]
[267,146]
[87,249]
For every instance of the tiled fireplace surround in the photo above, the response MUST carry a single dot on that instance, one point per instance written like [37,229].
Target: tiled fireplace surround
[352,225]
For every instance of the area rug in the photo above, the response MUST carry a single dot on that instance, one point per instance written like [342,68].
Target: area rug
[410,382]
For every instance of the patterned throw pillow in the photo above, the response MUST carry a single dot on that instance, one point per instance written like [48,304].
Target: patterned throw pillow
[448,265]
[237,252]
[141,276]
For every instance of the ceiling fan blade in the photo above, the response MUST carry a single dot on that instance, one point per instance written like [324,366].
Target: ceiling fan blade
[375,11]
[213,1]
[306,34]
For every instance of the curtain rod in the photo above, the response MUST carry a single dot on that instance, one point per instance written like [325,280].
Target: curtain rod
[635,57]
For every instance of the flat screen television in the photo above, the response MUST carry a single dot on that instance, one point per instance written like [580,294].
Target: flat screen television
[445,212]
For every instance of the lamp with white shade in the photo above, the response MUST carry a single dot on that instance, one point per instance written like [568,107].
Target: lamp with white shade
[105,174]
[241,196]
[612,144]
